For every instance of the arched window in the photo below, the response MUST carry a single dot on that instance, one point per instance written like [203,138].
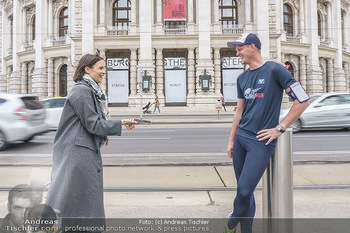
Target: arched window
[288,19]
[228,13]
[290,68]
[63,22]
[122,14]
[63,81]
[33,28]
[319,24]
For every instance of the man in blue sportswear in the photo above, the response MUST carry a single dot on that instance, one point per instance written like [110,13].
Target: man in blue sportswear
[256,125]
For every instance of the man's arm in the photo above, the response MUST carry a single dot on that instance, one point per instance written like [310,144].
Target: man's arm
[237,117]
[293,114]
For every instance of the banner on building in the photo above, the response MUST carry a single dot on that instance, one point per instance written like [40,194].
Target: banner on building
[175,79]
[177,63]
[118,80]
[118,86]
[174,9]
[232,63]
[117,63]
[232,67]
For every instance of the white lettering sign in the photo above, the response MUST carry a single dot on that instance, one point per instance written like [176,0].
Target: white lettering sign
[175,86]
[232,62]
[118,63]
[118,86]
[229,80]
[175,63]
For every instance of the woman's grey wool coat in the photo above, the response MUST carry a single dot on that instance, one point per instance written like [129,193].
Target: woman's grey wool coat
[76,188]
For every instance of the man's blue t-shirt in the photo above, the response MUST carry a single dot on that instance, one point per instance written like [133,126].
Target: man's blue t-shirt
[262,91]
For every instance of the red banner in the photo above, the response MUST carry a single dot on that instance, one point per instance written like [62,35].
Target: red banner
[174,9]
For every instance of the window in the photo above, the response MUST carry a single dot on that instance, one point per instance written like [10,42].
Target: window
[290,68]
[33,28]
[228,13]
[288,19]
[332,100]
[63,81]
[319,24]
[63,22]
[122,14]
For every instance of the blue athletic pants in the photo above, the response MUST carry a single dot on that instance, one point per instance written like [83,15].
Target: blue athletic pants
[250,159]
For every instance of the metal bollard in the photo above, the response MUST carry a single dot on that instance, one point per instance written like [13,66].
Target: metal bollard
[278,187]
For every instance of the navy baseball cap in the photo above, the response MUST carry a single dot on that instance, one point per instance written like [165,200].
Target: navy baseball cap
[246,38]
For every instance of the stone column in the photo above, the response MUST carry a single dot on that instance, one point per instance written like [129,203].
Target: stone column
[330,73]
[39,81]
[191,77]
[262,25]
[50,78]
[70,74]
[216,23]
[301,17]
[159,74]
[50,36]
[217,72]
[346,68]
[87,27]
[15,78]
[102,24]
[159,24]
[339,75]
[24,78]
[303,71]
[103,85]
[133,72]
[190,17]
[133,23]
[248,16]
[146,51]
[329,22]
[204,61]
[314,77]
[24,40]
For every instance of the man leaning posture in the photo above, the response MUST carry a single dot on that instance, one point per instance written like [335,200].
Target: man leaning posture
[256,125]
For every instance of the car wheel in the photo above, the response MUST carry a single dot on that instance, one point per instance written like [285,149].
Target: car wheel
[296,126]
[3,143]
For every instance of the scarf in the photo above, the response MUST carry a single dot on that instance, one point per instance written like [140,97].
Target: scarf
[101,99]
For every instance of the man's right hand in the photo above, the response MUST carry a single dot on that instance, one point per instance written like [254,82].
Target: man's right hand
[229,150]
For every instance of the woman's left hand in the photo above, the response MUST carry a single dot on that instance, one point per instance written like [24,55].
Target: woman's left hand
[129,124]
[107,141]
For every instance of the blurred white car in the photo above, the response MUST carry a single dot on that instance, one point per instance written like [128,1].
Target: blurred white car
[54,107]
[22,117]
[328,110]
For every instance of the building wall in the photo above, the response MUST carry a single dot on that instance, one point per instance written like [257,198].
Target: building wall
[319,62]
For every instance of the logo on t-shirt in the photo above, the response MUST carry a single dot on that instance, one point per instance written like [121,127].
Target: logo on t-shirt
[252,93]
[261,81]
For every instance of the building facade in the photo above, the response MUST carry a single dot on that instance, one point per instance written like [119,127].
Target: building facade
[180,45]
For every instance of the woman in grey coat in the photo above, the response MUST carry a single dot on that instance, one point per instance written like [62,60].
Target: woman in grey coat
[76,188]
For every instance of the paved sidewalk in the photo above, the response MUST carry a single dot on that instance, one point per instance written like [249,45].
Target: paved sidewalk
[198,191]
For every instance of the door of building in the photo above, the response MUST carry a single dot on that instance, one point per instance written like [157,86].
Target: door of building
[63,81]
[175,81]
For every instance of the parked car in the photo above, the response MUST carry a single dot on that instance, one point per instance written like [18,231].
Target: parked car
[22,117]
[329,110]
[54,108]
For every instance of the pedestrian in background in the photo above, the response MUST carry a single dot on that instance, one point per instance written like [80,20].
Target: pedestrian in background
[223,101]
[156,104]
[76,188]
[256,125]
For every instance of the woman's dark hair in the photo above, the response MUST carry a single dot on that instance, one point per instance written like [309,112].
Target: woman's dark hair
[88,60]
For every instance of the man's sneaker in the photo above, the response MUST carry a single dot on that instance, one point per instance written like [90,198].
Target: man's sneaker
[226,229]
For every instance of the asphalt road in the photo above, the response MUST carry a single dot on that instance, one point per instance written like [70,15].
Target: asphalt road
[190,143]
